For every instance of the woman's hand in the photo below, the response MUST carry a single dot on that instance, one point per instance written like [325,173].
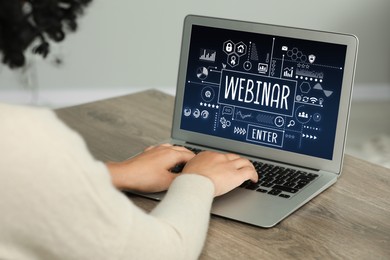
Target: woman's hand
[227,171]
[149,171]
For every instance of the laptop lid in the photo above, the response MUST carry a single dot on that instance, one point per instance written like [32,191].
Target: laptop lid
[266,91]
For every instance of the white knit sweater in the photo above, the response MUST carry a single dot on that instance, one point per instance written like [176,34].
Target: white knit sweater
[58,202]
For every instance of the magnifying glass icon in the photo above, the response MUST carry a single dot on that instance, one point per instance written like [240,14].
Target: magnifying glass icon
[291,123]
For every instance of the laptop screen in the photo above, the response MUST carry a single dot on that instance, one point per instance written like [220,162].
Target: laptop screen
[278,92]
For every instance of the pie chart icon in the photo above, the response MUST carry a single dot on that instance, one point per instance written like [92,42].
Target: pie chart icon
[202,73]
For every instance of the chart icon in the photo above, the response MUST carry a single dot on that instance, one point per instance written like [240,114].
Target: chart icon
[207,55]
[202,73]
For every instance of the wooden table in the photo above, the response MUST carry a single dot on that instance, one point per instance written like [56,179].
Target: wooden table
[350,220]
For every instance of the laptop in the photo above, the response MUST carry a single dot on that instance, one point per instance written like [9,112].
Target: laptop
[279,96]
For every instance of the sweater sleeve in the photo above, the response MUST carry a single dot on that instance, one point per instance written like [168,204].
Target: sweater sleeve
[58,202]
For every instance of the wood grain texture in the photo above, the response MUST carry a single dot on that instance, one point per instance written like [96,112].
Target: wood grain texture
[350,220]
[117,128]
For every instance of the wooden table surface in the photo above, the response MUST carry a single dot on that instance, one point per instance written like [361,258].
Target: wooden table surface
[350,220]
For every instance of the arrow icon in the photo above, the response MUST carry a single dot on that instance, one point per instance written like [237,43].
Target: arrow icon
[309,136]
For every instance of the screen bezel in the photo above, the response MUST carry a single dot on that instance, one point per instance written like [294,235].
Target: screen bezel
[350,41]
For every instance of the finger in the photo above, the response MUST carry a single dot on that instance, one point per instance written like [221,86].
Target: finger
[160,145]
[181,148]
[232,156]
[166,145]
[185,156]
[178,157]
[242,162]
[149,148]
[248,173]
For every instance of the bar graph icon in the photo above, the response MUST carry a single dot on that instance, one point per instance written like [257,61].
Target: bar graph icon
[288,72]
[207,55]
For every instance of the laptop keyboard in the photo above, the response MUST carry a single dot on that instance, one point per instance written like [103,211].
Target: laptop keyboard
[279,181]
[273,180]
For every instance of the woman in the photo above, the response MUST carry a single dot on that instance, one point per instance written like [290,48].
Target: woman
[58,202]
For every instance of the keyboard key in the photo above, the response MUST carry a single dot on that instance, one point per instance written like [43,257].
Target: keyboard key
[284,188]
[252,186]
[194,150]
[178,168]
[275,192]
[284,196]
[279,181]
[303,183]
[290,184]
[298,186]
[267,184]
[268,179]
[245,183]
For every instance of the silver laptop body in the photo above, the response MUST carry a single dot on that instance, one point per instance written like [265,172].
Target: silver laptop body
[273,94]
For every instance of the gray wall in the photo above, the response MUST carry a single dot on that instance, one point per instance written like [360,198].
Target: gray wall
[123,43]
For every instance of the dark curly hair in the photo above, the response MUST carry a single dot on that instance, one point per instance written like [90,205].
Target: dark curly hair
[25,22]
